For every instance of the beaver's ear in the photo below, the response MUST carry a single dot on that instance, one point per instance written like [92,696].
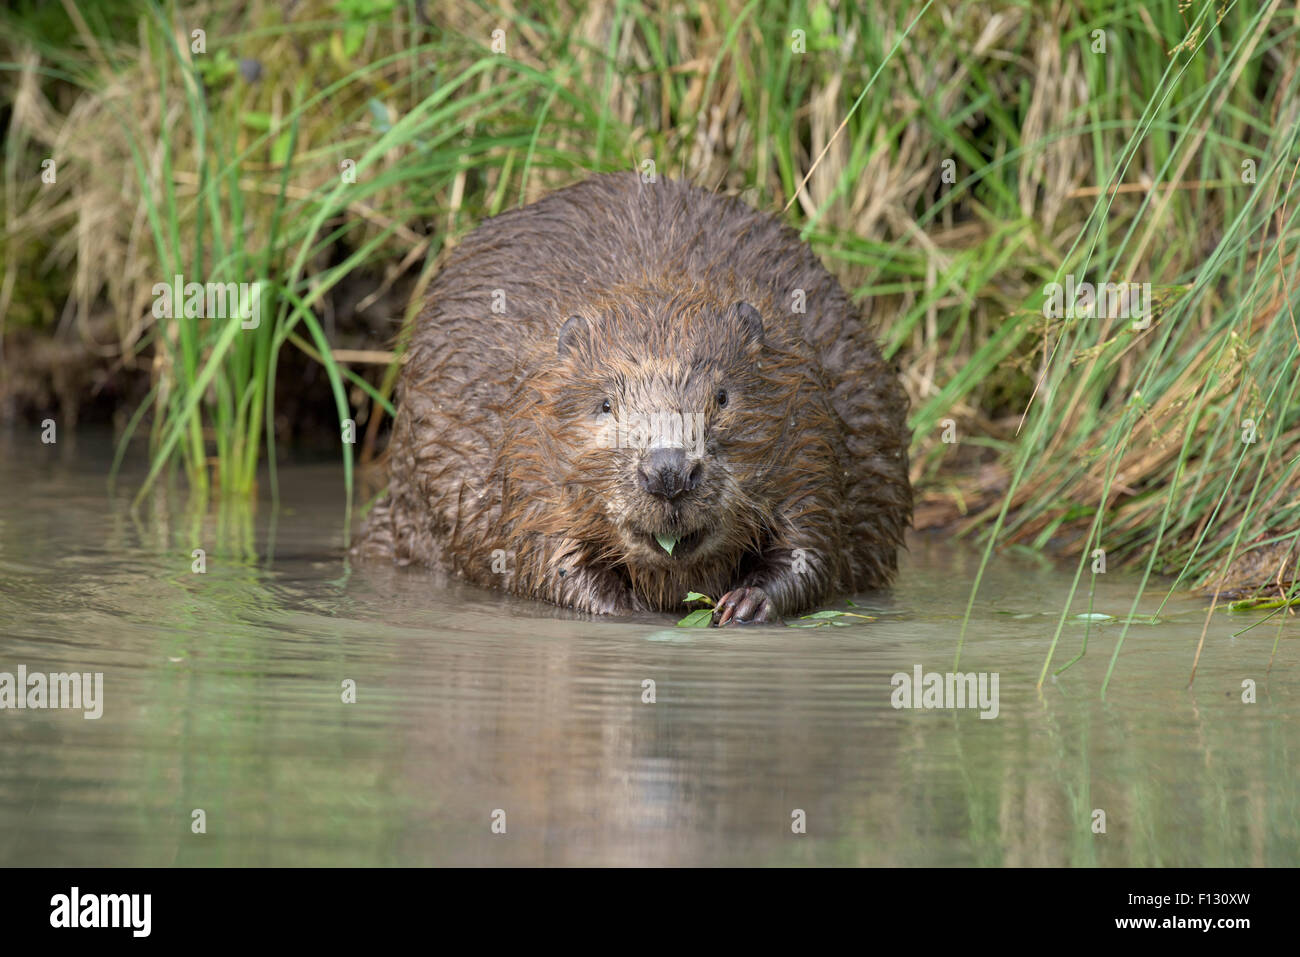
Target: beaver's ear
[751,321]
[574,331]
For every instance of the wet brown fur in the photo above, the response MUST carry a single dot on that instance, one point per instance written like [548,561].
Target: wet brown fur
[493,449]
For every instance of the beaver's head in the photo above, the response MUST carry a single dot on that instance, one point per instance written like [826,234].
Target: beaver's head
[673,425]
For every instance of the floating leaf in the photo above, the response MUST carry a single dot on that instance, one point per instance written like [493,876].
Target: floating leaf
[833,613]
[1261,604]
[697,619]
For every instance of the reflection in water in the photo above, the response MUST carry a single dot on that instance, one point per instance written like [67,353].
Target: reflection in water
[223,693]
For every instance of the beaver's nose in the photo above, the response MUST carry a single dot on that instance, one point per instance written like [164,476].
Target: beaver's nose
[666,475]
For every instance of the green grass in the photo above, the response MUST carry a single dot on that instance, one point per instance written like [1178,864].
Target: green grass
[1074,434]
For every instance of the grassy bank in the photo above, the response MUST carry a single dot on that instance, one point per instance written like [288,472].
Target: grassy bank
[947,160]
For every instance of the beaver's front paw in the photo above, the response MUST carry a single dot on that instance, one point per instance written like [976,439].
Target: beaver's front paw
[744,606]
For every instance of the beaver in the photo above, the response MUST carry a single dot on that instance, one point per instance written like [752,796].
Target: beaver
[630,390]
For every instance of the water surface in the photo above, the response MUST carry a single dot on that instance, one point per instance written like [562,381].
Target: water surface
[222,692]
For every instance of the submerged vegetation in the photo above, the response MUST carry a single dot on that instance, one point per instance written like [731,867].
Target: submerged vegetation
[950,161]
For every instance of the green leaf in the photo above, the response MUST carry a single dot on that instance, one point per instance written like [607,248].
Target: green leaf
[280,151]
[697,619]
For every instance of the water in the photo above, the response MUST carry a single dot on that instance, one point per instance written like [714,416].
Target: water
[222,693]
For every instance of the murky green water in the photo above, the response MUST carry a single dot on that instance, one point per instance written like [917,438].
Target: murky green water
[222,693]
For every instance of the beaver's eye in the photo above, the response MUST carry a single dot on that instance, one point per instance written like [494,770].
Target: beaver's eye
[722,398]
[606,406]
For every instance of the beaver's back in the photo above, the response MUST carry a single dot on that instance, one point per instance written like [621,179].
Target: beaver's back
[612,230]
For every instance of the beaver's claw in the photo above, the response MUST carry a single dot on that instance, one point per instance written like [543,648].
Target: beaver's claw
[744,606]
